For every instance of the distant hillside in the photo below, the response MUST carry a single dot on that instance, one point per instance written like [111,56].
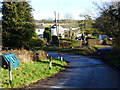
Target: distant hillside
[53,21]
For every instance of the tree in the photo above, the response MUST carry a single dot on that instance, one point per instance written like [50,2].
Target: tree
[86,25]
[109,22]
[47,35]
[18,24]
[70,22]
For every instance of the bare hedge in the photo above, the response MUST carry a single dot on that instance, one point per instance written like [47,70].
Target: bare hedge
[27,56]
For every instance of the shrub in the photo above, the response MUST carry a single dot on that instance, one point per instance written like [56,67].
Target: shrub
[75,43]
[54,40]
[37,42]
[47,35]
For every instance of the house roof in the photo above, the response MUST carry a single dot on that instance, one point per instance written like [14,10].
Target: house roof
[54,26]
[66,26]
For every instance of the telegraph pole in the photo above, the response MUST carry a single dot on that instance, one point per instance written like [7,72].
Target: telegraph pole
[58,28]
[57,25]
[55,17]
[56,22]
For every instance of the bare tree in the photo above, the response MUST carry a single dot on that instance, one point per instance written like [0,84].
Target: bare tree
[109,20]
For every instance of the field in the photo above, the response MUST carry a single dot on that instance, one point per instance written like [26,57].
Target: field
[50,24]
[28,73]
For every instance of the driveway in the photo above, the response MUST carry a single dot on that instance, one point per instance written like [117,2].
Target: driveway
[83,72]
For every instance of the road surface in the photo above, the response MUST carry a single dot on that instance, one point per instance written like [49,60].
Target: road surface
[83,72]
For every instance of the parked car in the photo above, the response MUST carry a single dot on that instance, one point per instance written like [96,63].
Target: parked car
[78,38]
[40,35]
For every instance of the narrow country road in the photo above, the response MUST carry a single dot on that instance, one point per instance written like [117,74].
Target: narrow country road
[83,72]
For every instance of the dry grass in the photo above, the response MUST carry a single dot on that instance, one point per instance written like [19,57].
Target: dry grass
[27,56]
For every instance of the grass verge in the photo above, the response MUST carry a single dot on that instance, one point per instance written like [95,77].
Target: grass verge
[28,73]
[83,50]
[101,46]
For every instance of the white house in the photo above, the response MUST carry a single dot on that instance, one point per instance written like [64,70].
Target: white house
[62,29]
[59,30]
[39,30]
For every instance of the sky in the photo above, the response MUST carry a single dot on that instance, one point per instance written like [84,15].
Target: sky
[44,9]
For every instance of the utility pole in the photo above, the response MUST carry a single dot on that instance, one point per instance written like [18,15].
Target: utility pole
[55,17]
[58,28]
[56,22]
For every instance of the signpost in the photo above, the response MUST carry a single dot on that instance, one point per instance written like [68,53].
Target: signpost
[50,62]
[10,57]
[10,61]
[10,73]
[60,56]
[47,54]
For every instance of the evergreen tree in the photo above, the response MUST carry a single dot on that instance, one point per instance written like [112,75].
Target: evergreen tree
[18,24]
[47,35]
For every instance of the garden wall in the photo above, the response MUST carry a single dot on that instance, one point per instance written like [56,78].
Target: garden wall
[92,42]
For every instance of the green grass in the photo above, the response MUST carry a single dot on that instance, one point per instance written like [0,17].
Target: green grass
[48,24]
[101,46]
[51,24]
[28,73]
[57,49]
[95,37]
[80,51]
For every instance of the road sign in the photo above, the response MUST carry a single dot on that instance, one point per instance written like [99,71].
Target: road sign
[10,57]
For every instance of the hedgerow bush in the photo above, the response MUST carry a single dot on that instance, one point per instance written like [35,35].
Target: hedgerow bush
[37,42]
[47,35]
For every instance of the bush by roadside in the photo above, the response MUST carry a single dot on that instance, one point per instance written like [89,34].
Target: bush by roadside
[36,42]
[111,56]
